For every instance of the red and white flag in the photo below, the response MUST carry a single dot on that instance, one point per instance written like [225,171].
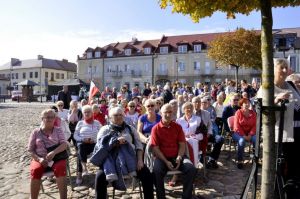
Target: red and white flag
[93,91]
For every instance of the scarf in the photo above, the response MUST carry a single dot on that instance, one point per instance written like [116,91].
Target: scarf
[90,120]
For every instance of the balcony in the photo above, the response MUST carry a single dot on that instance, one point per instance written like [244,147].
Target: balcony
[116,74]
[135,73]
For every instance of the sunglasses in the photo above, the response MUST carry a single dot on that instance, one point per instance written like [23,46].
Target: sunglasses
[152,105]
[132,106]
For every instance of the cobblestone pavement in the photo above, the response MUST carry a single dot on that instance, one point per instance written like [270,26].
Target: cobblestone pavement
[18,120]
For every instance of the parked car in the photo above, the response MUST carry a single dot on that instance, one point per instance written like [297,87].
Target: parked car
[15,95]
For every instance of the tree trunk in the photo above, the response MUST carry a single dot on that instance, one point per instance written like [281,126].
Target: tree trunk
[268,120]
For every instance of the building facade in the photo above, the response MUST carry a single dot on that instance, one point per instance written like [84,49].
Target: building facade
[41,70]
[180,58]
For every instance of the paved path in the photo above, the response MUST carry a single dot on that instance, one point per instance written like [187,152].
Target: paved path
[18,120]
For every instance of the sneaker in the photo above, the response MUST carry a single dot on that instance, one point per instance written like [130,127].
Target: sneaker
[212,164]
[78,181]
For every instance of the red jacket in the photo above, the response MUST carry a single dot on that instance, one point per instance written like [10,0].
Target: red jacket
[100,117]
[245,125]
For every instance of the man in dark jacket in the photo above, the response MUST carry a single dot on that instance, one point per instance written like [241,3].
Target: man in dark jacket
[65,96]
[167,95]
[230,110]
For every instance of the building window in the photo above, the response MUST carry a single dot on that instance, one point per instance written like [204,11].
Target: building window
[62,76]
[52,77]
[24,75]
[196,65]
[163,50]
[17,75]
[127,52]
[56,75]
[147,51]
[282,42]
[97,54]
[13,76]
[31,75]
[197,48]
[46,75]
[109,53]
[126,68]
[89,55]
[109,69]
[36,74]
[207,67]
[162,69]
[181,66]
[182,48]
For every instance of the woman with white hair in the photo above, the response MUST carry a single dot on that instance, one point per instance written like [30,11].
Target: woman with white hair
[86,136]
[126,136]
[189,123]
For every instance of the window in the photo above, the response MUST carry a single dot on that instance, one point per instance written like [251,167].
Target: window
[181,66]
[89,55]
[52,77]
[196,65]
[17,75]
[98,54]
[127,52]
[56,75]
[147,51]
[109,69]
[36,74]
[282,42]
[162,67]
[109,53]
[126,68]
[62,76]
[46,75]
[207,67]
[182,48]
[197,48]
[31,75]
[13,76]
[163,50]
[24,75]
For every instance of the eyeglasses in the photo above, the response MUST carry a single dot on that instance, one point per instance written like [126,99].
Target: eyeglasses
[168,112]
[151,105]
[87,112]
[60,105]
[132,106]
[48,117]
[158,103]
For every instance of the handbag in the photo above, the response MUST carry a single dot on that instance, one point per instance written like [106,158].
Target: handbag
[59,156]
[202,128]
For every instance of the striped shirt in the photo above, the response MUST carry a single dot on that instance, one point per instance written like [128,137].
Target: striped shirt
[84,130]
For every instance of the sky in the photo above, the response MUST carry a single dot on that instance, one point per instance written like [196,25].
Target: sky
[63,29]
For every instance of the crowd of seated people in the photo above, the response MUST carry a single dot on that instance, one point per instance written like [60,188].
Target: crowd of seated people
[167,120]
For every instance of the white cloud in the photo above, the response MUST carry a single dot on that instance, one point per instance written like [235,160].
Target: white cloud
[72,43]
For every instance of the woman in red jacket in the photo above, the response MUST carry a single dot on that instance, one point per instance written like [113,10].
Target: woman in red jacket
[244,128]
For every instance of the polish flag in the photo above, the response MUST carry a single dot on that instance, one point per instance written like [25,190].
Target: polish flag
[93,91]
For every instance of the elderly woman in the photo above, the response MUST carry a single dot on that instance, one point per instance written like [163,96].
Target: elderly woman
[291,136]
[74,116]
[85,135]
[174,104]
[47,146]
[132,114]
[244,128]
[189,123]
[219,107]
[126,136]
[147,121]
[62,113]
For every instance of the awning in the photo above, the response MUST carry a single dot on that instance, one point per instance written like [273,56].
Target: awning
[69,82]
[27,83]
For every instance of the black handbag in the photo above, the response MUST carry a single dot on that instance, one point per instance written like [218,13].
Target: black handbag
[59,156]
[202,128]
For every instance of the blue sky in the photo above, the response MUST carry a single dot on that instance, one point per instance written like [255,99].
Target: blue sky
[65,28]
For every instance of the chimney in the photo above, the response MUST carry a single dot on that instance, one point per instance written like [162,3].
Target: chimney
[14,61]
[40,57]
[65,60]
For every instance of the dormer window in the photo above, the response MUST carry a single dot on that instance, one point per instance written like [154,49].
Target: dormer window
[163,50]
[127,52]
[182,48]
[109,53]
[89,55]
[147,51]
[97,54]
[197,48]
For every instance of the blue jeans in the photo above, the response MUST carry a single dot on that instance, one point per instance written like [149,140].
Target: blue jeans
[241,144]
